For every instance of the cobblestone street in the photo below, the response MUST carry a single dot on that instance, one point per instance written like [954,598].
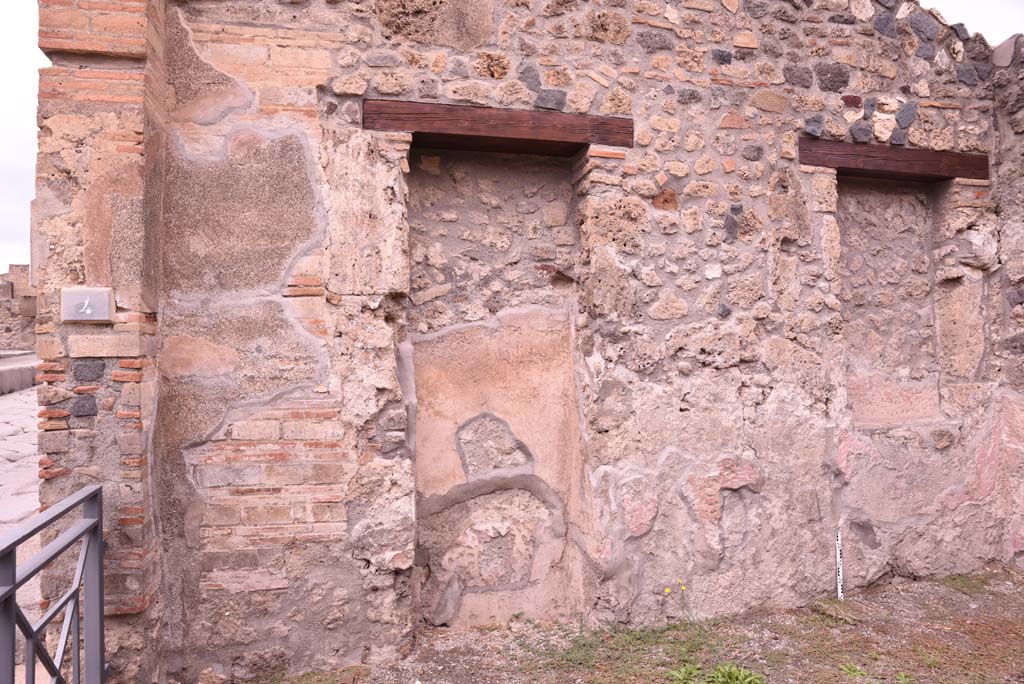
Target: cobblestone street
[19,479]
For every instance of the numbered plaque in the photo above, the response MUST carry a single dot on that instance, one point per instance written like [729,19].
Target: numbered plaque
[87,304]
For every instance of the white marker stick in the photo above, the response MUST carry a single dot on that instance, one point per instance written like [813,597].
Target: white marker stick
[839,565]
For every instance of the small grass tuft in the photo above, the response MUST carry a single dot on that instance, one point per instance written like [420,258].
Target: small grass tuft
[851,670]
[733,674]
[972,585]
[687,674]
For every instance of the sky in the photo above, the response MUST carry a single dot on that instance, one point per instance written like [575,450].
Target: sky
[997,20]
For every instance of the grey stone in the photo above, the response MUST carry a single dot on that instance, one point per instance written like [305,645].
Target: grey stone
[732,228]
[844,18]
[885,23]
[688,96]
[798,75]
[428,88]
[653,41]
[967,74]
[888,4]
[382,58]
[906,115]
[84,405]
[832,76]
[89,371]
[458,68]
[870,104]
[862,131]
[1002,56]
[723,310]
[54,441]
[961,31]
[926,51]
[721,56]
[815,125]
[735,209]
[756,8]
[786,14]
[752,152]
[984,69]
[550,99]
[925,25]
[530,77]
[1015,101]
[899,137]
[447,607]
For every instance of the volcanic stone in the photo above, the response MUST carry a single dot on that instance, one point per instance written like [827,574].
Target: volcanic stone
[652,41]
[550,99]
[906,115]
[815,125]
[967,74]
[862,131]
[84,406]
[925,25]
[752,152]
[832,76]
[89,371]
[798,75]
[530,77]
[688,96]
[885,23]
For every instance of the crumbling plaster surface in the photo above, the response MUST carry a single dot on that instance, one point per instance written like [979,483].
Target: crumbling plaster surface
[341,412]
[266,547]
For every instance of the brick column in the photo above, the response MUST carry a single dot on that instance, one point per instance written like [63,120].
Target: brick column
[88,229]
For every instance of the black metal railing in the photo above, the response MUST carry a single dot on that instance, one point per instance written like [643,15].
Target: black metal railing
[88,579]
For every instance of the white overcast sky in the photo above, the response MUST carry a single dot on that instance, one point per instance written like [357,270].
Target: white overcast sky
[997,20]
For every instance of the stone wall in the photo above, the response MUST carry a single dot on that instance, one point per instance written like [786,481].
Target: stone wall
[17,310]
[353,388]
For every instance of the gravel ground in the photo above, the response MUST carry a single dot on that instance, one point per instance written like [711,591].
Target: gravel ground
[961,630]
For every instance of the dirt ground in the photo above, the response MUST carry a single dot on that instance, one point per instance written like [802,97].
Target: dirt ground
[960,630]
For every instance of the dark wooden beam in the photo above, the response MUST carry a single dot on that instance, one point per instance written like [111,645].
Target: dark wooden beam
[523,131]
[887,161]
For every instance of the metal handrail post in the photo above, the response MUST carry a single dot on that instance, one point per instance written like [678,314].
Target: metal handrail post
[95,667]
[8,573]
[88,575]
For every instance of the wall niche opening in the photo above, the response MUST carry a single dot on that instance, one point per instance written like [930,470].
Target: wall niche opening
[494,245]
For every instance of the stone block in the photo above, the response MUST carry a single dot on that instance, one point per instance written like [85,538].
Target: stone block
[104,346]
[89,371]
[882,401]
[84,406]
[130,443]
[54,442]
[256,430]
[960,325]
[183,355]
[310,430]
[48,348]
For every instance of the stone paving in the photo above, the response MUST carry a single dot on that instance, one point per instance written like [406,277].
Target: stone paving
[19,466]
[19,480]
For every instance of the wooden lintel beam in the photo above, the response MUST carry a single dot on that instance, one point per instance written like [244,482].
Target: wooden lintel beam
[496,130]
[887,161]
